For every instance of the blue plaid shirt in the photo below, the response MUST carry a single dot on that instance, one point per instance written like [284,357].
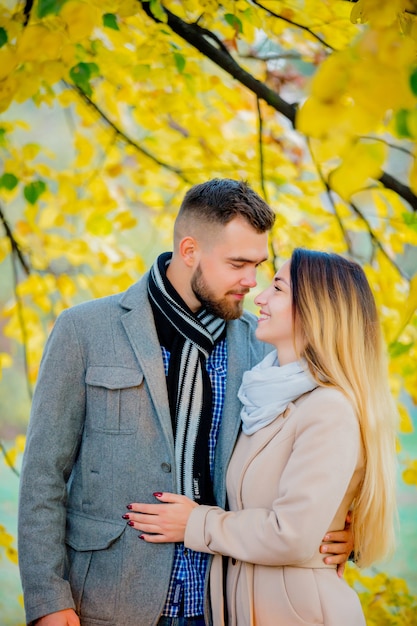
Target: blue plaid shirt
[186,588]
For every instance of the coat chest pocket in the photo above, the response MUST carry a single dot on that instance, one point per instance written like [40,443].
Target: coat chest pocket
[114,398]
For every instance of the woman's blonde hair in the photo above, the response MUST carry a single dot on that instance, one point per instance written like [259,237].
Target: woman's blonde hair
[335,312]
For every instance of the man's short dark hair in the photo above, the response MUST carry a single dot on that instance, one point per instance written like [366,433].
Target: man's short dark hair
[219,200]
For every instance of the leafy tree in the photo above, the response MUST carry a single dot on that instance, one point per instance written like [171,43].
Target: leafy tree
[313,102]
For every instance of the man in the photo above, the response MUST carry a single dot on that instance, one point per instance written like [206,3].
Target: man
[132,397]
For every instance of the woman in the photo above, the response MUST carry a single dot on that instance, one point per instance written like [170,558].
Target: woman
[318,439]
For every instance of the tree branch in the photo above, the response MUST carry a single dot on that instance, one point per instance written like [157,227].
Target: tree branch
[376,241]
[325,184]
[22,324]
[15,246]
[123,135]
[261,150]
[197,37]
[27,9]
[7,459]
[16,254]
[296,24]
[402,190]
[393,146]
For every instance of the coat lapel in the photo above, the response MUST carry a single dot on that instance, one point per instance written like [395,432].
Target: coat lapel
[255,443]
[240,357]
[138,322]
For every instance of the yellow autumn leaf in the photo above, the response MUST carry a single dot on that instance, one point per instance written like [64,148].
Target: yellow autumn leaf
[106,285]
[8,61]
[66,285]
[331,79]
[54,246]
[152,197]
[406,424]
[114,170]
[10,457]
[85,151]
[38,43]
[5,360]
[124,220]
[5,538]
[410,306]
[39,258]
[8,89]
[35,284]
[20,443]
[394,48]
[134,265]
[80,19]
[53,71]
[410,473]
[17,449]
[50,217]
[380,13]
[312,119]
[30,151]
[360,164]
[77,252]
[67,194]
[67,97]
[11,554]
[5,248]
[127,8]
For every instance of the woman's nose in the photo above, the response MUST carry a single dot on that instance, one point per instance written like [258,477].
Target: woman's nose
[260,298]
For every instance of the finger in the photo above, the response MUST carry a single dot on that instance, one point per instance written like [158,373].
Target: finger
[145,523]
[145,518]
[153,538]
[335,559]
[141,507]
[340,570]
[339,536]
[334,548]
[168,497]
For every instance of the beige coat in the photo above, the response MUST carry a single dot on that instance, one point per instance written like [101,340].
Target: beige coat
[287,484]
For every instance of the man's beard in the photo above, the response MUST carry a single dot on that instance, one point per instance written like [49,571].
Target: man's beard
[221,307]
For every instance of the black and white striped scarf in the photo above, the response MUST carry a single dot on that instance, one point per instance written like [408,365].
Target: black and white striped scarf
[190,338]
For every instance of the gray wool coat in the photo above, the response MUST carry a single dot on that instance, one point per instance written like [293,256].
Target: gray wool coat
[100,437]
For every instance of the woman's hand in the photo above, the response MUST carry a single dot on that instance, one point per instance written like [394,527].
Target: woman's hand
[164,522]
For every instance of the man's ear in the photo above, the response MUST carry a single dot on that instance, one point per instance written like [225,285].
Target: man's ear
[188,249]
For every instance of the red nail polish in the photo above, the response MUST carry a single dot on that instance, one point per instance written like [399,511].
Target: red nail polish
[125,516]
[157,494]
[130,523]
[141,537]
[129,506]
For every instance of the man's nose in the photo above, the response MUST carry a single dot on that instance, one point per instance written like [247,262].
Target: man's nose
[249,278]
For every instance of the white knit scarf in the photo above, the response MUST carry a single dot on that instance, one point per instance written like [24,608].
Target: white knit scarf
[268,388]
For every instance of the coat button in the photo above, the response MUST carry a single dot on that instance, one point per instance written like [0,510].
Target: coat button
[166,467]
